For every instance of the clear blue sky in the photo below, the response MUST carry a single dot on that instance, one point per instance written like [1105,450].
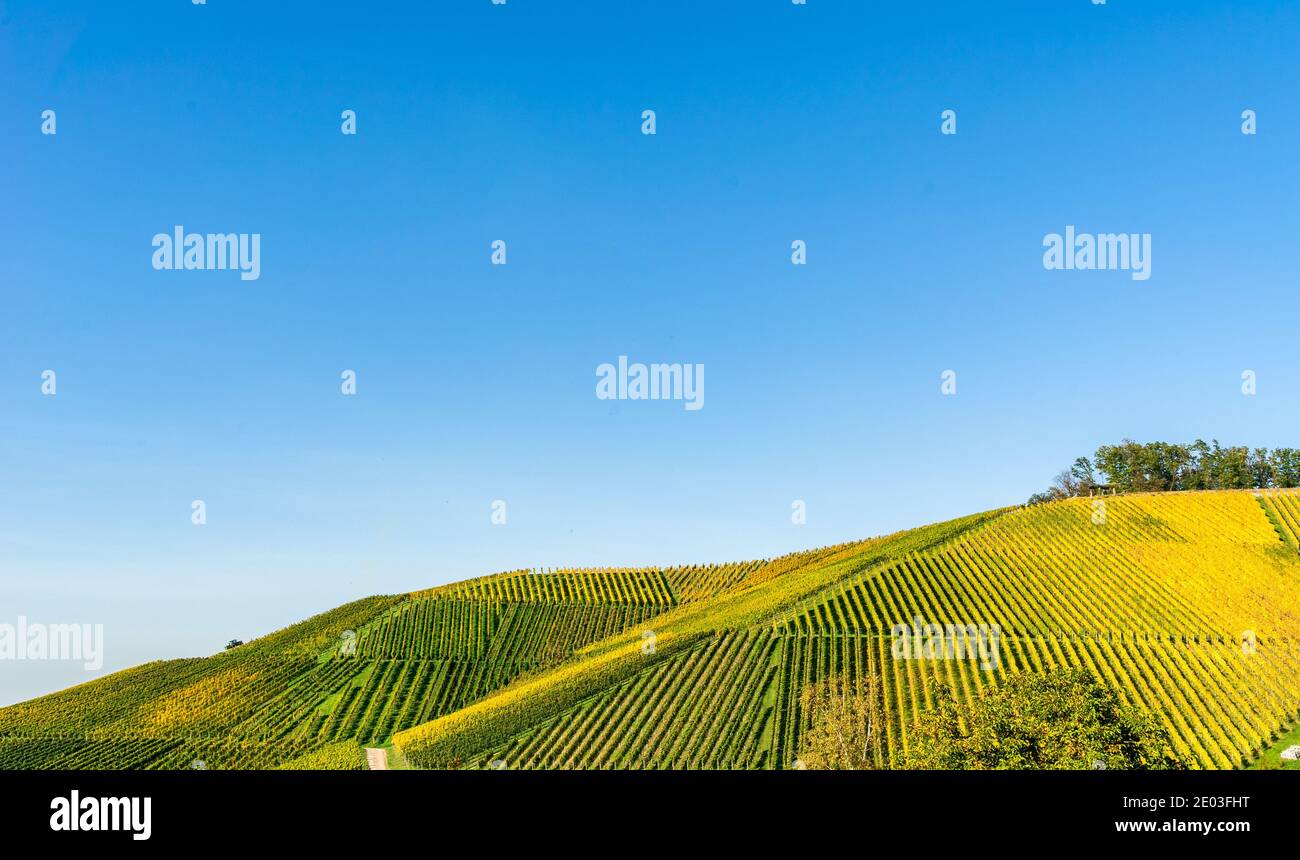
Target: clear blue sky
[476,382]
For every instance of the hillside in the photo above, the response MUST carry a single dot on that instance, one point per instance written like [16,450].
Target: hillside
[703,666]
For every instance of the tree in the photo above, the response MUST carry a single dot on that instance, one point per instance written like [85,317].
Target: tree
[1083,475]
[1061,720]
[1199,479]
[1164,466]
[1064,486]
[234,643]
[1260,468]
[1167,466]
[1284,466]
[847,718]
[1232,471]
[1078,480]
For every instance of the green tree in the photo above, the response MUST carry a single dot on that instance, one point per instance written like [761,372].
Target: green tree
[1260,467]
[1285,467]
[846,723]
[1122,465]
[1083,475]
[1199,479]
[1056,721]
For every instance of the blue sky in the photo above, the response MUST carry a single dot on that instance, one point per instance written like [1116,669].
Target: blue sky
[522,122]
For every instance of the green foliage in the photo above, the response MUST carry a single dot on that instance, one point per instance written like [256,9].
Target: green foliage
[1064,720]
[846,724]
[1157,467]
[1165,467]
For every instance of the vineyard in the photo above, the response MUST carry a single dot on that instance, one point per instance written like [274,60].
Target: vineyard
[1186,604]
[1283,508]
[703,708]
[308,695]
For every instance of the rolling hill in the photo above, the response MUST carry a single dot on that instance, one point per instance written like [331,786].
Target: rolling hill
[1187,604]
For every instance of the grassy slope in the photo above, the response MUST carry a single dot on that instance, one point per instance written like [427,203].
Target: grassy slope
[1152,593]
[461,735]
[141,695]
[1153,597]
[1272,757]
[1154,602]
[285,698]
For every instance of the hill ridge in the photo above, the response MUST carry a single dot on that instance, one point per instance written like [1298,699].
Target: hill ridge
[1159,595]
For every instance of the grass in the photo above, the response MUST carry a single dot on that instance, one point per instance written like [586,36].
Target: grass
[1273,519]
[1271,759]
[396,761]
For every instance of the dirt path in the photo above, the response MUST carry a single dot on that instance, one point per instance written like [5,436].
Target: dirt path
[377,758]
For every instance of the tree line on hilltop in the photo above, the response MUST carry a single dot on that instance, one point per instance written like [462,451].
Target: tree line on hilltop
[1132,467]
